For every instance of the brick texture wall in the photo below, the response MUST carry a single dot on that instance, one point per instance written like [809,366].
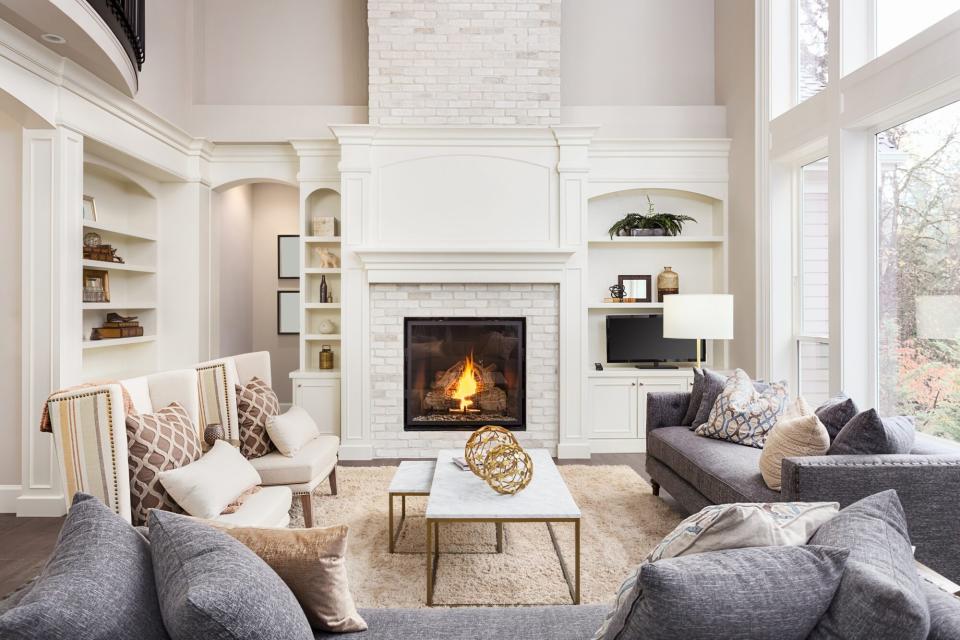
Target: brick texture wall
[464,62]
[390,303]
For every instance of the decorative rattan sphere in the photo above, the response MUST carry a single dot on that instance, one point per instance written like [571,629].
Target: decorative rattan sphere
[509,469]
[482,441]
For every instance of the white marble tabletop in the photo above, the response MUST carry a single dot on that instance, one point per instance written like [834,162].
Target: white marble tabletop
[413,476]
[461,494]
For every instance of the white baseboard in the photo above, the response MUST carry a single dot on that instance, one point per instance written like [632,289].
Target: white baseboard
[8,497]
[40,506]
[356,451]
[619,445]
[573,450]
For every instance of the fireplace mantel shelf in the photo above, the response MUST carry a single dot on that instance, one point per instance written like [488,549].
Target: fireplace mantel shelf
[380,256]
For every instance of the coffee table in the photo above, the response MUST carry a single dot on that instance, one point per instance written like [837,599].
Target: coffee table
[413,478]
[460,496]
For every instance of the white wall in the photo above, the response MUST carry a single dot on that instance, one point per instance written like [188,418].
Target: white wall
[165,78]
[10,153]
[637,52]
[735,89]
[275,212]
[233,221]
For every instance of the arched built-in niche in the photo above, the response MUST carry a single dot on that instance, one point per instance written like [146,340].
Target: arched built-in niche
[319,249]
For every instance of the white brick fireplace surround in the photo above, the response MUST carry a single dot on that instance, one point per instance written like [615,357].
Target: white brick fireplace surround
[391,303]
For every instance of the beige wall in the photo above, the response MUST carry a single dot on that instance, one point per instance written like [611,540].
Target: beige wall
[275,212]
[10,153]
[637,52]
[735,89]
[233,220]
[165,79]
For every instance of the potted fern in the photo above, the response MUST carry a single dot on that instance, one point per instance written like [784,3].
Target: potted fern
[652,224]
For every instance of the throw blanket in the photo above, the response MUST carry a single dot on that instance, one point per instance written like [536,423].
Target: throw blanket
[45,425]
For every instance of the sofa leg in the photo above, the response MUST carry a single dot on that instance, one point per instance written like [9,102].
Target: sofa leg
[306,501]
[333,481]
[656,487]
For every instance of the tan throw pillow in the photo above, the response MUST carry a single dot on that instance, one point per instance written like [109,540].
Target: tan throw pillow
[158,442]
[743,415]
[798,433]
[312,562]
[256,403]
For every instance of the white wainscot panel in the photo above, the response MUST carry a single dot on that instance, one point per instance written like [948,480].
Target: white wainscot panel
[461,200]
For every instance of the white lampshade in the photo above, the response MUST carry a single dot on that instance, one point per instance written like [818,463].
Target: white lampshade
[938,317]
[698,316]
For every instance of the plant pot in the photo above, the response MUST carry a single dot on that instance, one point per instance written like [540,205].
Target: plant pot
[647,232]
[623,232]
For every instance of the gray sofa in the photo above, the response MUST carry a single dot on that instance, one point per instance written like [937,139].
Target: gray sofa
[699,471]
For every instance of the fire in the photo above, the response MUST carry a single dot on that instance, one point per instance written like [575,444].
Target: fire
[466,385]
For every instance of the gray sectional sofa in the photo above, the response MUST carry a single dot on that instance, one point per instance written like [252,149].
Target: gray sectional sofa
[699,471]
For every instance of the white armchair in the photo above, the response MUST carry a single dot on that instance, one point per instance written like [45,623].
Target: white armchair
[315,463]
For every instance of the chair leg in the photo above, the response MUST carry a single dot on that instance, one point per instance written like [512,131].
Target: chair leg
[656,487]
[306,501]
[333,481]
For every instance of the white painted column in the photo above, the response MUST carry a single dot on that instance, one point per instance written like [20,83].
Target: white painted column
[50,301]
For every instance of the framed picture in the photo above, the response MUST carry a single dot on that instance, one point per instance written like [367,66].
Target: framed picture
[96,285]
[89,209]
[288,257]
[636,288]
[288,313]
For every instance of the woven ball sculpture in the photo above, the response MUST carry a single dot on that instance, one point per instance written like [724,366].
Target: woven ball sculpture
[509,469]
[481,442]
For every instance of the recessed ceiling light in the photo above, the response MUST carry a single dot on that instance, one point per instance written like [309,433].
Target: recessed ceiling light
[53,38]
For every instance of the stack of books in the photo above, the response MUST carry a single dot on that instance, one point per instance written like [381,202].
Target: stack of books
[117,326]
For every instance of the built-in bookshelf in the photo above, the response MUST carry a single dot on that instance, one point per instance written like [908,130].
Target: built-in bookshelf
[126,209]
[321,200]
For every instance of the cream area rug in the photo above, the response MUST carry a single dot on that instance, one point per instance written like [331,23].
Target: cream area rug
[621,522]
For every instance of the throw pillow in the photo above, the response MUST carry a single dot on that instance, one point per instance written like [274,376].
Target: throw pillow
[798,433]
[880,595]
[742,415]
[712,387]
[944,612]
[312,562]
[836,412]
[206,487]
[157,442]
[735,526]
[869,434]
[256,403]
[211,586]
[776,593]
[291,430]
[696,395]
[97,584]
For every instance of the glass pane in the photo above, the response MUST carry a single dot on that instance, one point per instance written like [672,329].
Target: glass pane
[814,372]
[898,21]
[918,175]
[812,26]
[814,295]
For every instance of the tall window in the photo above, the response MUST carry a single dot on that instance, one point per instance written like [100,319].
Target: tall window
[811,289]
[897,20]
[918,175]
[812,28]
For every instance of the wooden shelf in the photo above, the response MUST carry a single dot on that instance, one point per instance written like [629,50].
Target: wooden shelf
[669,240]
[626,305]
[319,270]
[117,342]
[108,228]
[320,337]
[108,306]
[321,305]
[322,239]
[117,266]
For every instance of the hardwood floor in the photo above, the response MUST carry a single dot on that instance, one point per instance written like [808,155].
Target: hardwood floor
[25,543]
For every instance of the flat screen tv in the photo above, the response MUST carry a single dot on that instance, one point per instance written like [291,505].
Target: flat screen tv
[639,340]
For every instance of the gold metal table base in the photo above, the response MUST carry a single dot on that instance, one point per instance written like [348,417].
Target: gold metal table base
[433,548]
[403,514]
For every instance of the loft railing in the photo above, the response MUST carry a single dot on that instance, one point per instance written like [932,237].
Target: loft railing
[126,19]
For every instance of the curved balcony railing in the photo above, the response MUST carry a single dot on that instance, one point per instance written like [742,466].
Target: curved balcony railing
[126,18]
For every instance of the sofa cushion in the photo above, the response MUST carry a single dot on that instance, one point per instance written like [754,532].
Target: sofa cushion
[836,412]
[760,592]
[944,612]
[869,434]
[712,386]
[316,457]
[799,432]
[743,415]
[696,395]
[211,586]
[256,403]
[927,445]
[206,487]
[721,471]
[880,595]
[269,507]
[566,622]
[98,583]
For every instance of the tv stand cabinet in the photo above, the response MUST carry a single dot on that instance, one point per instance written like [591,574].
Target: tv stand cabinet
[617,405]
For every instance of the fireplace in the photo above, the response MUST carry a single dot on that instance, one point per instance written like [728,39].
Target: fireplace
[464,373]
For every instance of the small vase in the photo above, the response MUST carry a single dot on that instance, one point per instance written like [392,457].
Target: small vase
[668,282]
[325,359]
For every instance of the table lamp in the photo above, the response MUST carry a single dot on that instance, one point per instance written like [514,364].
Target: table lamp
[698,317]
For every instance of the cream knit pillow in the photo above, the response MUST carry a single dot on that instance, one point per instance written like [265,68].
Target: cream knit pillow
[799,432]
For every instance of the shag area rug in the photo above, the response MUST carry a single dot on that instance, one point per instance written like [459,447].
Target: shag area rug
[621,522]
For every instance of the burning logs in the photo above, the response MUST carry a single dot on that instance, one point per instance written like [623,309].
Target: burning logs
[466,388]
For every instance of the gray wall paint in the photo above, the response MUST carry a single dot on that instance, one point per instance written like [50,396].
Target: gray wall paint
[10,426]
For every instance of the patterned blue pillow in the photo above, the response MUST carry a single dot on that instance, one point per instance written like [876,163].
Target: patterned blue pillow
[743,415]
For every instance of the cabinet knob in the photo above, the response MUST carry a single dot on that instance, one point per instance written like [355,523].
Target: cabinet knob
[634,384]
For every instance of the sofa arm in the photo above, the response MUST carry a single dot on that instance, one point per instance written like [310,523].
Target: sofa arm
[666,408]
[926,484]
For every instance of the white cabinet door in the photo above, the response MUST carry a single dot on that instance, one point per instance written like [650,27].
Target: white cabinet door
[652,385]
[613,407]
[321,399]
